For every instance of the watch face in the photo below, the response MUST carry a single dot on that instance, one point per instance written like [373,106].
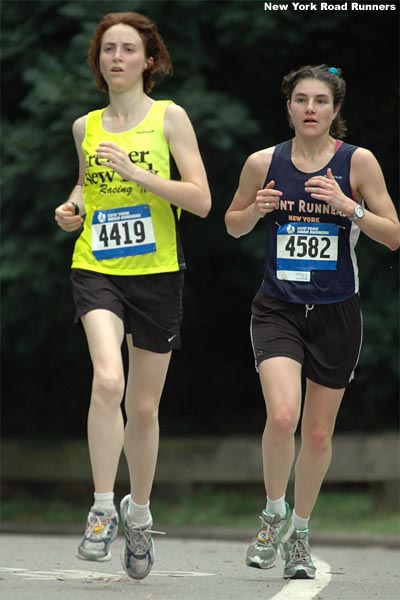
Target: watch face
[359,211]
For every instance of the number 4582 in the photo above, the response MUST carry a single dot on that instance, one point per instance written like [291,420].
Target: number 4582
[309,246]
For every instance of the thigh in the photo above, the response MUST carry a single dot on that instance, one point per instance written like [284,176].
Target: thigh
[321,406]
[276,329]
[93,291]
[147,374]
[104,333]
[281,384]
[153,310]
[332,349]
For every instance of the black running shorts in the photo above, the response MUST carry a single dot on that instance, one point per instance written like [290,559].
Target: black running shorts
[149,305]
[325,338]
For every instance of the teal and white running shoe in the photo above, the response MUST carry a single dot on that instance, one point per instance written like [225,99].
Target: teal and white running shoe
[137,556]
[296,553]
[275,530]
[101,531]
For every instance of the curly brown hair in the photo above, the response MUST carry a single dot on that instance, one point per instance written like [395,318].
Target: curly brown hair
[331,76]
[153,45]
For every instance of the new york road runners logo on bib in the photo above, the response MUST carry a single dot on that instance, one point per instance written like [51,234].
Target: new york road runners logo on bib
[121,232]
[304,248]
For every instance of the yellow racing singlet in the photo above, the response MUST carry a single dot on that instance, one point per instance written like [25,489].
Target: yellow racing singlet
[128,230]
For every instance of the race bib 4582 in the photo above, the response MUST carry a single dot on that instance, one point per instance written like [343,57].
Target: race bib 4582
[304,248]
[121,232]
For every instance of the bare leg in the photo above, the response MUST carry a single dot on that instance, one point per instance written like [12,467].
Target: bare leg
[147,373]
[105,333]
[281,383]
[321,406]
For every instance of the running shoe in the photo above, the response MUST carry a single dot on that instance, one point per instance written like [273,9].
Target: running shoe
[101,531]
[275,529]
[137,556]
[296,553]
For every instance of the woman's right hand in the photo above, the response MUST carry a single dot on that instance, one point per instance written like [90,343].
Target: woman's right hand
[267,200]
[66,218]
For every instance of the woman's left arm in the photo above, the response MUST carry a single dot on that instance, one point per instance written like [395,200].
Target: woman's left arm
[380,222]
[192,192]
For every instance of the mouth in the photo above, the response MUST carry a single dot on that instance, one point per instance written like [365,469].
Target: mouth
[116,70]
[310,121]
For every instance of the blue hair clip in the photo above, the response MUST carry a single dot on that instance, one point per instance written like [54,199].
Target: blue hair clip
[333,70]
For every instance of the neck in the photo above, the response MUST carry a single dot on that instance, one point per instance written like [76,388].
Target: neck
[125,105]
[310,149]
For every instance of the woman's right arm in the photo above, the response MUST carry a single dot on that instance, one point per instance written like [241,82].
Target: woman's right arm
[249,202]
[65,213]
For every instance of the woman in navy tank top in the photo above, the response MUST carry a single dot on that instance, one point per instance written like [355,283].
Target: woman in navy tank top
[315,194]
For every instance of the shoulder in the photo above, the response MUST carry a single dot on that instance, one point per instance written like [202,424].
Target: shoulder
[259,161]
[174,111]
[254,171]
[362,157]
[364,163]
[177,125]
[366,175]
[175,115]
[78,127]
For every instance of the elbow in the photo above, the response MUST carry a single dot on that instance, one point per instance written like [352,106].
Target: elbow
[205,207]
[394,246]
[232,230]
[233,233]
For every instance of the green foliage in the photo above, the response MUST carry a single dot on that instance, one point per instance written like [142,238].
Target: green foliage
[229,58]
[203,506]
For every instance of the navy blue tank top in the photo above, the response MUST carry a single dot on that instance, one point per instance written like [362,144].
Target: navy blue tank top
[310,247]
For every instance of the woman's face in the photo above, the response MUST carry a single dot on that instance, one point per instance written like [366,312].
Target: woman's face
[311,108]
[122,57]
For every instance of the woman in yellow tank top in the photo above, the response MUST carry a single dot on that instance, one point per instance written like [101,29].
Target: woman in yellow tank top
[139,166]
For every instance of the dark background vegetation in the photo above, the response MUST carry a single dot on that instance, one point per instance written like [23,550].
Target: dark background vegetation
[229,59]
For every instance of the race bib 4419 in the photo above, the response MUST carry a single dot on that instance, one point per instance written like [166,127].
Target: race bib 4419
[304,248]
[121,232]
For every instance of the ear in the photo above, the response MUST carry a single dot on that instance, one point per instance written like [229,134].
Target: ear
[289,115]
[335,112]
[149,63]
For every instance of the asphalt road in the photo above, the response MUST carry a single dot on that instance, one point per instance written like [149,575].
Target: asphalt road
[45,568]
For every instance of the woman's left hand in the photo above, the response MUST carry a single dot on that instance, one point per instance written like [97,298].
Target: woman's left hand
[113,157]
[327,189]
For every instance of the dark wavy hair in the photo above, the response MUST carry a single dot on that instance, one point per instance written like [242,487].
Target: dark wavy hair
[335,81]
[153,45]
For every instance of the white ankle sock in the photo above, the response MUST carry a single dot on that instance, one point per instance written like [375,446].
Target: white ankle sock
[276,507]
[104,500]
[139,513]
[299,523]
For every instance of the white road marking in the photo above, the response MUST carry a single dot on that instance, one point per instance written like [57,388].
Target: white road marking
[93,575]
[306,589]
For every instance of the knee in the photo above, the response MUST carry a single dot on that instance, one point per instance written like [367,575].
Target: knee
[143,413]
[108,388]
[318,440]
[282,423]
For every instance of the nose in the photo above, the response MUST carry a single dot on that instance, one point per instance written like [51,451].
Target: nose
[310,106]
[117,54]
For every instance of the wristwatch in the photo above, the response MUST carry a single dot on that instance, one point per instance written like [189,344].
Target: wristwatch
[357,214]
